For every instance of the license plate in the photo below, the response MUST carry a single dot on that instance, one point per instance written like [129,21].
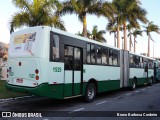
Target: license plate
[19,80]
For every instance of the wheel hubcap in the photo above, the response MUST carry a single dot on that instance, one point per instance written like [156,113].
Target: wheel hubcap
[151,81]
[90,93]
[134,85]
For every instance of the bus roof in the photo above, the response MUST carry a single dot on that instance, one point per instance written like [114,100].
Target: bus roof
[81,38]
[141,56]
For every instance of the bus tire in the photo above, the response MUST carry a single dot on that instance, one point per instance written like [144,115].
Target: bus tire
[133,87]
[151,81]
[90,92]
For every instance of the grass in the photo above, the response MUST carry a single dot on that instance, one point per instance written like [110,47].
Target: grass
[8,94]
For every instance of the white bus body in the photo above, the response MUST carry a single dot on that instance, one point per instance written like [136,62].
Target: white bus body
[49,62]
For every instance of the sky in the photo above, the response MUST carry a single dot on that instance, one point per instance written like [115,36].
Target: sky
[73,25]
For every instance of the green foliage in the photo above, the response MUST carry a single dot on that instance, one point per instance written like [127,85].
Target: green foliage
[151,28]
[84,7]
[128,11]
[36,13]
[136,33]
[148,29]
[98,35]
[95,34]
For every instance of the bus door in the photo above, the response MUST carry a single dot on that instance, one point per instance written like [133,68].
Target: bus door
[146,71]
[73,71]
[155,71]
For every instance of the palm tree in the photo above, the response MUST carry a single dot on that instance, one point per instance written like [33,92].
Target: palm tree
[36,13]
[135,34]
[128,11]
[98,35]
[148,29]
[112,29]
[84,7]
[130,28]
[116,21]
[94,35]
[79,33]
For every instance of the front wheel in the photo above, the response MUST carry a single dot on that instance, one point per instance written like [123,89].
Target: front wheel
[90,92]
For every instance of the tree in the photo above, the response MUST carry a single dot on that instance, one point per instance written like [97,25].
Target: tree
[84,7]
[4,51]
[112,29]
[36,13]
[95,34]
[128,11]
[79,33]
[135,34]
[148,29]
[98,35]
[130,28]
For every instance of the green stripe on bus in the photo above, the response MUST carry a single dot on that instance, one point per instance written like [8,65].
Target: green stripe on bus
[51,91]
[60,91]
[108,85]
[140,81]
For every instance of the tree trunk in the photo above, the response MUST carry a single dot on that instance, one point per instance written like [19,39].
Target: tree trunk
[118,37]
[130,43]
[84,26]
[148,46]
[125,36]
[134,45]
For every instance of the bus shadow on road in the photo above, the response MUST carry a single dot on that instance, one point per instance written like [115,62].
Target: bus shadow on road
[113,93]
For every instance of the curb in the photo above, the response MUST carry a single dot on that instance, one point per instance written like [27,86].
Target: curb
[16,98]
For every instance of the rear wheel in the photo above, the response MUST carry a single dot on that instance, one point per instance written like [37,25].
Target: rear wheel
[133,85]
[151,81]
[90,92]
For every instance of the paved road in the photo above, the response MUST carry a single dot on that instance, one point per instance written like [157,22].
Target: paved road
[144,98]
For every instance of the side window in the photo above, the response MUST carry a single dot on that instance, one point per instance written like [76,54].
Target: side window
[105,56]
[88,53]
[115,57]
[68,58]
[150,64]
[93,54]
[131,62]
[136,61]
[77,60]
[141,62]
[54,47]
[158,64]
[145,61]
[99,55]
[110,56]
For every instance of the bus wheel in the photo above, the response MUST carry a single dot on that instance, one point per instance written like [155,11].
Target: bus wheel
[151,82]
[133,85]
[90,93]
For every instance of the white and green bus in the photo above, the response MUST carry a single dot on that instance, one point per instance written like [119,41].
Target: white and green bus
[157,70]
[45,61]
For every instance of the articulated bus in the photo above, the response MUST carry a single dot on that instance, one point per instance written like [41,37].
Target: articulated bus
[157,70]
[45,61]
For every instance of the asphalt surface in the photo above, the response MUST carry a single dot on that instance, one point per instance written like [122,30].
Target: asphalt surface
[144,100]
